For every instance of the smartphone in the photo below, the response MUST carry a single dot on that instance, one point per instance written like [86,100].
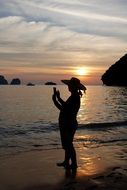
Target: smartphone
[54,90]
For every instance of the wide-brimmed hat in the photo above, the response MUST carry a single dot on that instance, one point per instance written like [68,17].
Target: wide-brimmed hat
[75,82]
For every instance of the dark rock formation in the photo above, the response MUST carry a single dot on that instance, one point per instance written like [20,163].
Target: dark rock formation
[15,81]
[116,75]
[3,81]
[50,83]
[30,84]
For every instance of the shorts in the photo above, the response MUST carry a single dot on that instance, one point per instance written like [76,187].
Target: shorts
[67,136]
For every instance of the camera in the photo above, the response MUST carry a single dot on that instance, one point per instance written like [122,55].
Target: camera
[54,90]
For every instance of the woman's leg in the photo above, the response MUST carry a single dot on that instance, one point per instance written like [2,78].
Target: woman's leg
[64,137]
[72,151]
[65,163]
[73,157]
[67,156]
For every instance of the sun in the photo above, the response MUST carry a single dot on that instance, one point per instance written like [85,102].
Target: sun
[81,71]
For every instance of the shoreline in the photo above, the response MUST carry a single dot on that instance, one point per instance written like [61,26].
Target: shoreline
[37,170]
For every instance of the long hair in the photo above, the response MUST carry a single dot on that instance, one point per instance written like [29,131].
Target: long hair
[80,92]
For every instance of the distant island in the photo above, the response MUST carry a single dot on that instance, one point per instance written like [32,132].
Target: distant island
[30,84]
[15,81]
[3,81]
[116,75]
[50,83]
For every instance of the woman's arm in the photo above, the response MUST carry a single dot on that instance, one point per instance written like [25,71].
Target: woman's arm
[57,104]
[59,98]
[54,96]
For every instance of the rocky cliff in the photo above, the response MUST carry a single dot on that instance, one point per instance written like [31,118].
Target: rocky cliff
[116,75]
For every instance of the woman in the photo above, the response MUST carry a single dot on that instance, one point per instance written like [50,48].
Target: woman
[67,119]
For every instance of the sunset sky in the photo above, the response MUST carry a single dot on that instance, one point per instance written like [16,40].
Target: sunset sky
[50,40]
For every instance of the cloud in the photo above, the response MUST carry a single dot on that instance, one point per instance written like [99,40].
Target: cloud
[81,16]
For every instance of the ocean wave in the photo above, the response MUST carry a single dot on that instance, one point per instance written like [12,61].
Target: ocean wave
[102,126]
[99,141]
[27,129]
[42,128]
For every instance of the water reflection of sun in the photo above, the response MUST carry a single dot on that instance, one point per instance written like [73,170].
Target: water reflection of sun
[91,162]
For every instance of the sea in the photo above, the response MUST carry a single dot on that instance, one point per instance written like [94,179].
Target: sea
[29,119]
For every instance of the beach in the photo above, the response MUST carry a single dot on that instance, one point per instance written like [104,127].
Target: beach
[37,170]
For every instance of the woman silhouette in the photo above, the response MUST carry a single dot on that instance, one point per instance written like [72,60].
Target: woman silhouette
[67,119]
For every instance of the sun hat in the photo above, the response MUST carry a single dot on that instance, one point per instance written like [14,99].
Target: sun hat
[75,82]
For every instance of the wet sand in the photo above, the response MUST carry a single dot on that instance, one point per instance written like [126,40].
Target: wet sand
[37,170]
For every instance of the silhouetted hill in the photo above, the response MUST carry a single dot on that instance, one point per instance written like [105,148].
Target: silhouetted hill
[3,81]
[15,81]
[116,75]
